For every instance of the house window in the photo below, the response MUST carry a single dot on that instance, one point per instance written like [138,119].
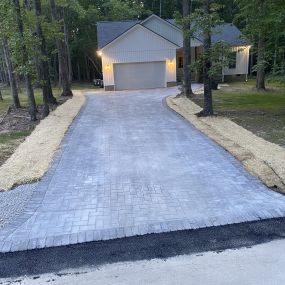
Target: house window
[180,62]
[233,60]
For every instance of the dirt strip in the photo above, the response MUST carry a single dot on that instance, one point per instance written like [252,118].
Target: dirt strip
[261,158]
[32,158]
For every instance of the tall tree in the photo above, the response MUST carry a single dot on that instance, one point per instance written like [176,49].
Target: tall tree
[207,30]
[25,61]
[7,25]
[266,28]
[187,7]
[11,73]
[58,17]
[43,60]
[205,23]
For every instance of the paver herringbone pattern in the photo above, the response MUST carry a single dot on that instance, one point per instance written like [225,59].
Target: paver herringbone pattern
[131,166]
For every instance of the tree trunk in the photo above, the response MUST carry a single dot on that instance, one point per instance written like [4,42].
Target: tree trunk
[78,71]
[1,97]
[87,69]
[260,77]
[25,61]
[187,4]
[43,63]
[208,101]
[66,38]
[57,15]
[11,74]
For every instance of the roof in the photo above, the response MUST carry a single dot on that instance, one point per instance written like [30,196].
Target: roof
[138,25]
[108,31]
[226,32]
[230,34]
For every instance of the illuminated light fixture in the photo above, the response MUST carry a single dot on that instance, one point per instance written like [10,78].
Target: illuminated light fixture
[108,67]
[99,53]
[171,62]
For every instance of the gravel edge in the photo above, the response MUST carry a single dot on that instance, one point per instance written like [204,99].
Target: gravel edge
[261,158]
[32,158]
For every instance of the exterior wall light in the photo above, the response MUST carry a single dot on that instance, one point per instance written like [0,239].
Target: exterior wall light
[108,67]
[99,53]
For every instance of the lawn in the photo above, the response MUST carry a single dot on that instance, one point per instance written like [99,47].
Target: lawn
[263,113]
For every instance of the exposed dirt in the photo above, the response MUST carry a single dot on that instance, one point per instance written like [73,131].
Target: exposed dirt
[16,122]
[19,119]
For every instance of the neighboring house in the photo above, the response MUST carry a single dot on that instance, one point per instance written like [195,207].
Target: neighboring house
[148,54]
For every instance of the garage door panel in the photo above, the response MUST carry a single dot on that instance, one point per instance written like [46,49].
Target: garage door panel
[143,75]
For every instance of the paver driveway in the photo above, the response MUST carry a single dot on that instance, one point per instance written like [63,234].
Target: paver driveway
[130,166]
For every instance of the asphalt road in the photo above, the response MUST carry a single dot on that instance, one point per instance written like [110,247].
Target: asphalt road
[15,266]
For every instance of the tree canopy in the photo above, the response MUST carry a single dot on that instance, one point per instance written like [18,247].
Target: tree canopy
[61,34]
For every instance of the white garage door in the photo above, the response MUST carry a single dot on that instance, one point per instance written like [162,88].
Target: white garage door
[143,75]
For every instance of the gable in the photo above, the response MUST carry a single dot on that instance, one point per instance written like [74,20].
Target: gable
[167,30]
[107,32]
[139,38]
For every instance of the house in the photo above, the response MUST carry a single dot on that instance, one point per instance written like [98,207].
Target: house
[148,54]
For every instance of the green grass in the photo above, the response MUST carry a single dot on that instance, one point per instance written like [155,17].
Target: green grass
[6,138]
[263,113]
[4,105]
[83,86]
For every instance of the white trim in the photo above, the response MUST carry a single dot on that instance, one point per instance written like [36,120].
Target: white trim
[130,30]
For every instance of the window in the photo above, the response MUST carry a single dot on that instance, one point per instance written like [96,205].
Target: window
[233,60]
[180,62]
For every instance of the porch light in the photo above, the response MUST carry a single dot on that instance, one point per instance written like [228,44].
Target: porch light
[171,62]
[99,53]
[108,67]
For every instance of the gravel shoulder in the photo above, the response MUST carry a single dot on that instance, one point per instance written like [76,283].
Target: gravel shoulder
[261,158]
[32,158]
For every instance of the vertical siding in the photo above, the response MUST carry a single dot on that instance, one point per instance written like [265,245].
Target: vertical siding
[139,45]
[167,31]
[241,63]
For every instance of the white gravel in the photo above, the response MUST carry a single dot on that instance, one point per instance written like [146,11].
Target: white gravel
[32,159]
[12,203]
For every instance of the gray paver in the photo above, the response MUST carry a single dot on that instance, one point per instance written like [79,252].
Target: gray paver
[130,166]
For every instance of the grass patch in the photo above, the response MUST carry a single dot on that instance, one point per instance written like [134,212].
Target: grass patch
[4,105]
[9,142]
[84,86]
[10,137]
[263,113]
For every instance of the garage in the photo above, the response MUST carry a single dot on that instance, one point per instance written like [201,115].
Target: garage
[140,75]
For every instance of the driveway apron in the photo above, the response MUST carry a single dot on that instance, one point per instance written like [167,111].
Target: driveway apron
[130,166]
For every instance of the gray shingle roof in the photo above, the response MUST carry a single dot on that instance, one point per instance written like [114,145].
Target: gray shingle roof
[108,31]
[226,32]
[230,34]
